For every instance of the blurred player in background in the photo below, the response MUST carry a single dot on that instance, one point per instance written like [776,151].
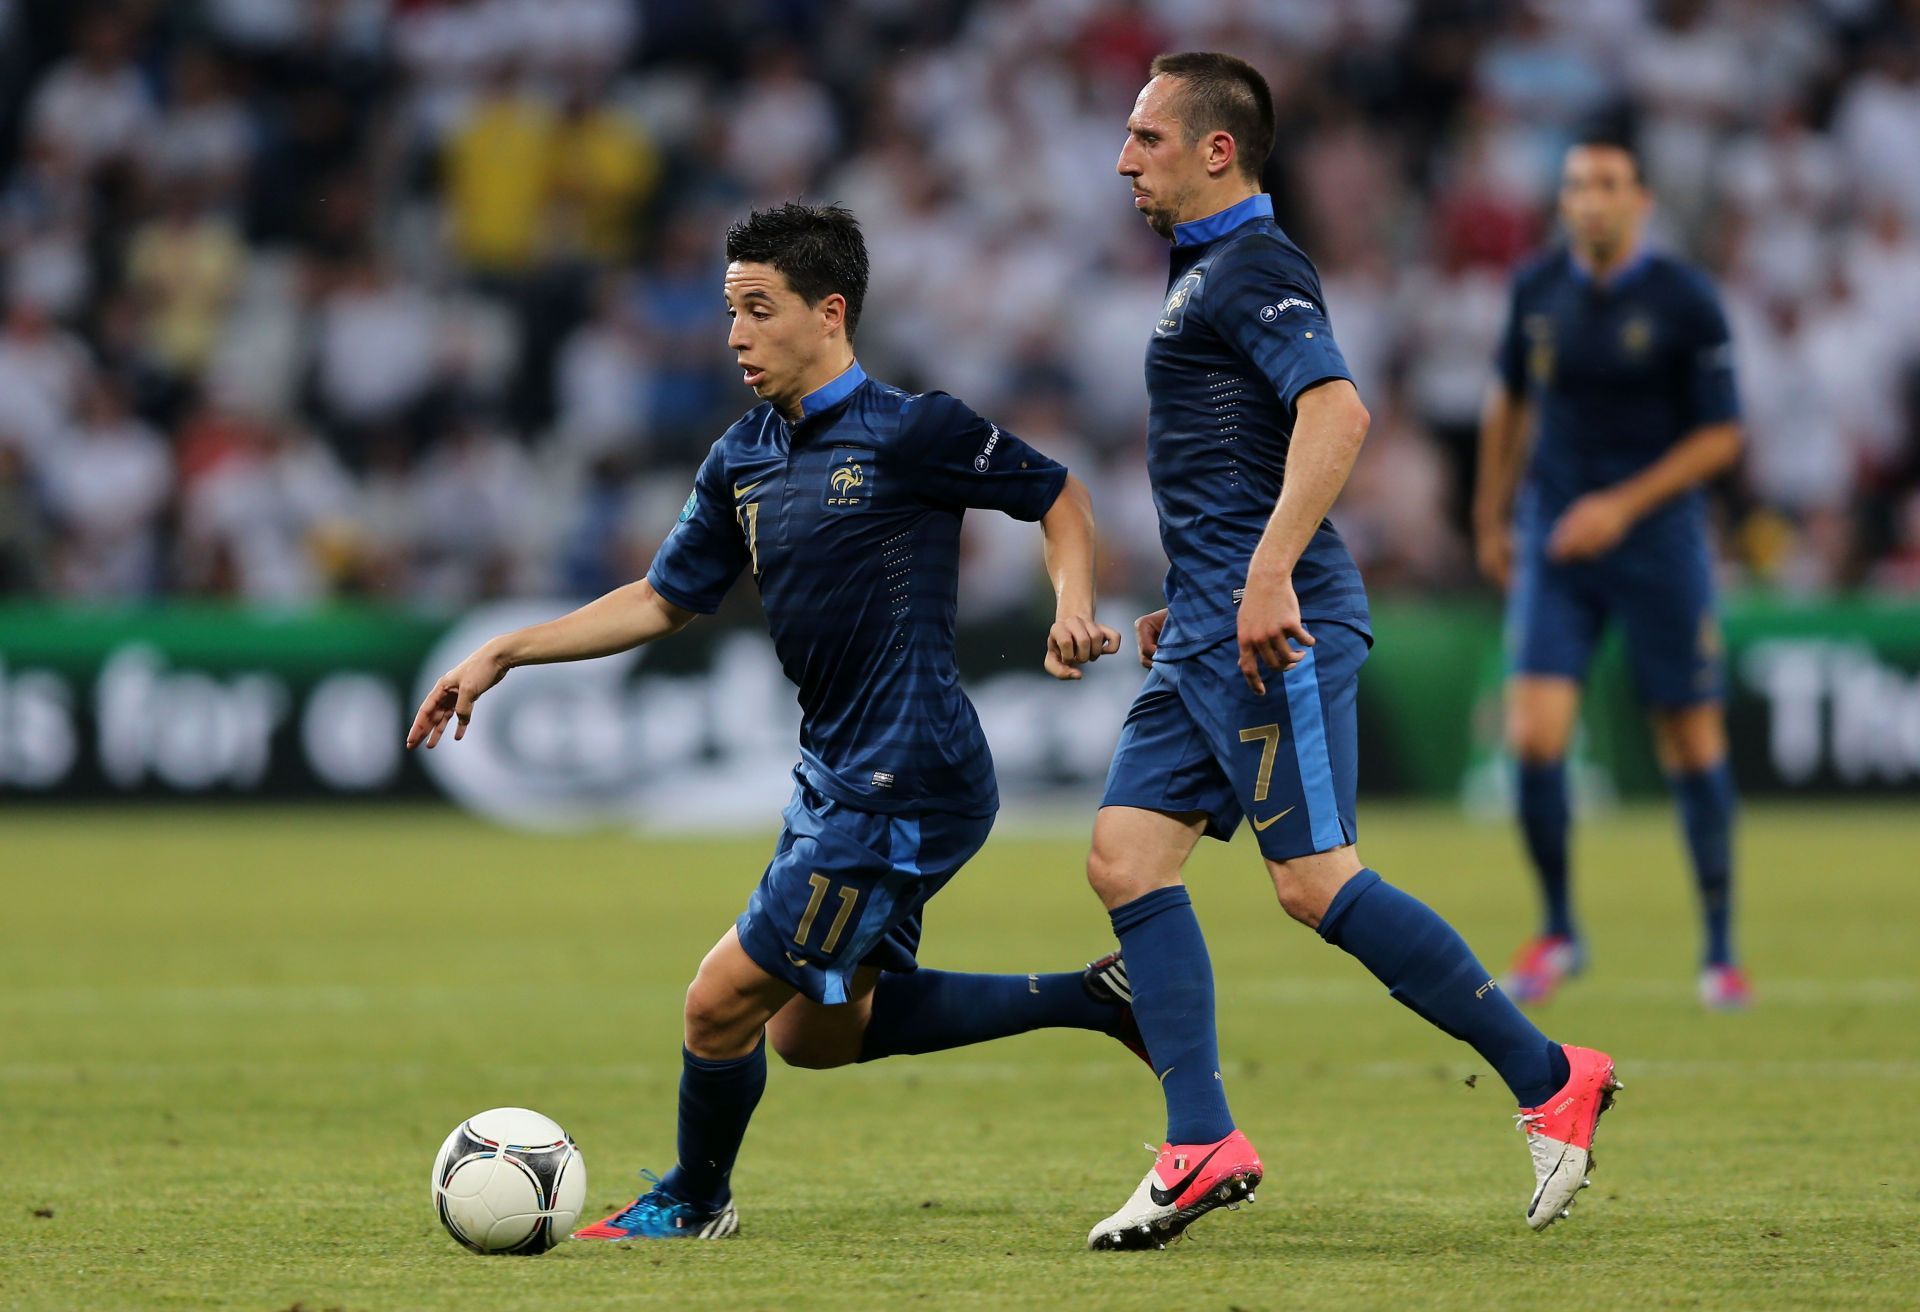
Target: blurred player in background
[1616,363]
[844,496]
[1254,426]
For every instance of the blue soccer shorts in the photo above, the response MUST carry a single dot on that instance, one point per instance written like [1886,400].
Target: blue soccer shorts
[1662,599]
[1198,739]
[846,887]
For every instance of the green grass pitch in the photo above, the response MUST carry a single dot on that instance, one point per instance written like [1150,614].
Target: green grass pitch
[231,1040]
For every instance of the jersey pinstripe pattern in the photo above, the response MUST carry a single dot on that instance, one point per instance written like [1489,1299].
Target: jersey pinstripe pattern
[850,521]
[1243,334]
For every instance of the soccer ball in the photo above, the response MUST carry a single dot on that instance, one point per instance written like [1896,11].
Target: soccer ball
[509,1181]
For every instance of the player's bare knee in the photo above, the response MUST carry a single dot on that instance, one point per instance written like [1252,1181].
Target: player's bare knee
[1300,898]
[1540,719]
[711,1027]
[1118,880]
[1695,759]
[1533,741]
[1536,752]
[1690,740]
[1102,876]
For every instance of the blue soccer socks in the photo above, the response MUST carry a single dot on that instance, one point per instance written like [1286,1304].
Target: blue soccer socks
[1707,805]
[717,1099]
[932,1010]
[1172,981]
[1428,967]
[1544,820]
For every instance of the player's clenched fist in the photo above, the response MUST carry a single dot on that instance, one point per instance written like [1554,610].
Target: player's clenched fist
[1146,635]
[1076,640]
[453,696]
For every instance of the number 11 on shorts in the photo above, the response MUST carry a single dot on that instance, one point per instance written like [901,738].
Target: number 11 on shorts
[848,896]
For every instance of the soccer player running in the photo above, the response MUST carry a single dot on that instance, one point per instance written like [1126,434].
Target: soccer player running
[844,496]
[1616,361]
[1249,706]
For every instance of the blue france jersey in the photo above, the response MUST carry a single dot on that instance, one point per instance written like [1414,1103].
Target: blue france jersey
[1244,332]
[850,521]
[1616,373]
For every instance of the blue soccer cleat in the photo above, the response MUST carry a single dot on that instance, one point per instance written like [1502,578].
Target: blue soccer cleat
[657,1214]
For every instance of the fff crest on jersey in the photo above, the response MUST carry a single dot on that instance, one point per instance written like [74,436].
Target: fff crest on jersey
[849,479]
[1636,335]
[1173,316]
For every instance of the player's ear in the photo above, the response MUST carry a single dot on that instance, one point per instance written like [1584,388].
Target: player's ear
[1221,152]
[833,312]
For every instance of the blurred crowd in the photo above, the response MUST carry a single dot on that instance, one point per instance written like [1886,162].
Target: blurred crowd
[418,300]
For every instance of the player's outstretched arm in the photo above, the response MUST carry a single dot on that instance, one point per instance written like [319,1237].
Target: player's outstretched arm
[624,618]
[1075,637]
[1594,524]
[1503,450]
[1329,425]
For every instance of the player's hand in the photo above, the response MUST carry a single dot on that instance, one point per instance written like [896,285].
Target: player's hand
[1073,641]
[1591,526]
[1269,617]
[453,696]
[1146,635]
[1493,549]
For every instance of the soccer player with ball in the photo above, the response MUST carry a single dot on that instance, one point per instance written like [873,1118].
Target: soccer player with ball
[1249,711]
[844,498]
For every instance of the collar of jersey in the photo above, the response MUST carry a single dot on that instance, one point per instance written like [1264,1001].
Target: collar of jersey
[1618,278]
[828,395]
[1199,231]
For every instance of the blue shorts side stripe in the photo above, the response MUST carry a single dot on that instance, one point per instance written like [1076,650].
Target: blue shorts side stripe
[905,840]
[883,904]
[1302,684]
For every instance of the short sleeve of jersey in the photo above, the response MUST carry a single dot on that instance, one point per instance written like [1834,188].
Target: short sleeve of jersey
[1711,396]
[1510,362]
[958,459]
[1273,313]
[705,552]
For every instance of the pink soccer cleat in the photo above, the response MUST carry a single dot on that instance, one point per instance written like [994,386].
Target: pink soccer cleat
[1560,1134]
[1187,1181]
[1725,988]
[1541,966]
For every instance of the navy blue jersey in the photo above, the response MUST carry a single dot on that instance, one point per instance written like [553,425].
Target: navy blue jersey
[850,521]
[1243,334]
[1616,373]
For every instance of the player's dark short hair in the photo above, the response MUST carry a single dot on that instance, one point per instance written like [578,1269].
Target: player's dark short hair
[817,247]
[1219,93]
[1606,138]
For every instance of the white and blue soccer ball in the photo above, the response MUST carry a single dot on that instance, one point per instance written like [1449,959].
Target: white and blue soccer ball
[509,1181]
